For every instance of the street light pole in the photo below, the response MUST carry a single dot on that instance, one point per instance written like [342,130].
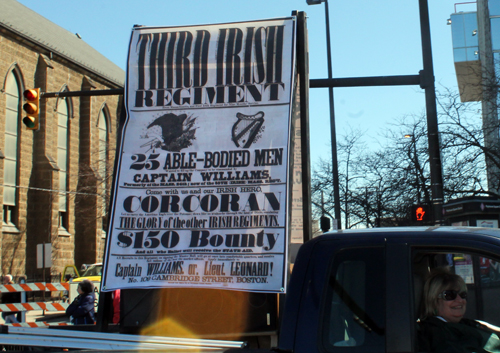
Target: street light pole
[432,122]
[425,79]
[415,163]
[417,169]
[333,133]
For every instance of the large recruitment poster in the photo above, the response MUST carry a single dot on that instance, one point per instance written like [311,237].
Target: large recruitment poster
[201,189]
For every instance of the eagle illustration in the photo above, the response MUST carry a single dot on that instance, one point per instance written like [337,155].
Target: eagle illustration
[177,132]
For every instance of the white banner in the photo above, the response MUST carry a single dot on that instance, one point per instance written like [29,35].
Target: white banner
[201,192]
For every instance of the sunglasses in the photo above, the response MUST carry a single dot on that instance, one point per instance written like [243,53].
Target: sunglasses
[449,295]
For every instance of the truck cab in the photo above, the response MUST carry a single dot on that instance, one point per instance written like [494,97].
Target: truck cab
[360,290]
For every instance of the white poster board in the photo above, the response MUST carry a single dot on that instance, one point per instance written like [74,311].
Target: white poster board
[202,185]
[487,223]
[43,255]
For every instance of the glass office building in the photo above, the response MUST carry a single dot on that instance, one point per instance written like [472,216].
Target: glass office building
[476,50]
[467,46]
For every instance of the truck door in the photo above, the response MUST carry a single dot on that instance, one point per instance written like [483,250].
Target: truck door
[353,309]
[369,301]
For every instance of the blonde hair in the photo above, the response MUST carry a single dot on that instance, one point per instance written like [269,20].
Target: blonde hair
[439,280]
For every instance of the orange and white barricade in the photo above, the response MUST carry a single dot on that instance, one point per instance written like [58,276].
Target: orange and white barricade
[23,306]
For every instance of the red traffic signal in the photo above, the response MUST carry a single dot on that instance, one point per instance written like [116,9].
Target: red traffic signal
[420,214]
[31,94]
[32,108]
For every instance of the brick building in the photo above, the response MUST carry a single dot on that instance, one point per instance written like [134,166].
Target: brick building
[54,181]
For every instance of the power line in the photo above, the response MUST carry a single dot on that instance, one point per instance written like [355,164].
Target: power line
[52,190]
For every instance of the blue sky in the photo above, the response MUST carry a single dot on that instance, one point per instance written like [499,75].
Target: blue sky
[368,38]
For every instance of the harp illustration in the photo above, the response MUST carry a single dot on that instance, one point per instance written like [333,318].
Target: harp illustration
[247,127]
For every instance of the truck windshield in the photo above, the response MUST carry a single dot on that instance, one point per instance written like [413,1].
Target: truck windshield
[94,270]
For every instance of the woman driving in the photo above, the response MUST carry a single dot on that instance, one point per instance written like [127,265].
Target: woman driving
[442,326]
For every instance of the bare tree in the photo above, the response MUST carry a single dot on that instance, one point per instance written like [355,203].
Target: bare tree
[463,147]
[349,149]
[379,187]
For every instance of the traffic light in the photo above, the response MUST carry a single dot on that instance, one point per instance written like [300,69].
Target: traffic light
[420,214]
[32,108]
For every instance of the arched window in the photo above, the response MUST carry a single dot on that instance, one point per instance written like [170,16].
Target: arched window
[103,145]
[102,126]
[62,160]
[12,92]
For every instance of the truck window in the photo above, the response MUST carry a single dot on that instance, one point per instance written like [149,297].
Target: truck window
[480,272]
[355,302]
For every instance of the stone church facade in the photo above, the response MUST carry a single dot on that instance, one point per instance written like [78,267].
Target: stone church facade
[56,181]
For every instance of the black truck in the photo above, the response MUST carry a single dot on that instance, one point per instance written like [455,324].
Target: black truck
[360,290]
